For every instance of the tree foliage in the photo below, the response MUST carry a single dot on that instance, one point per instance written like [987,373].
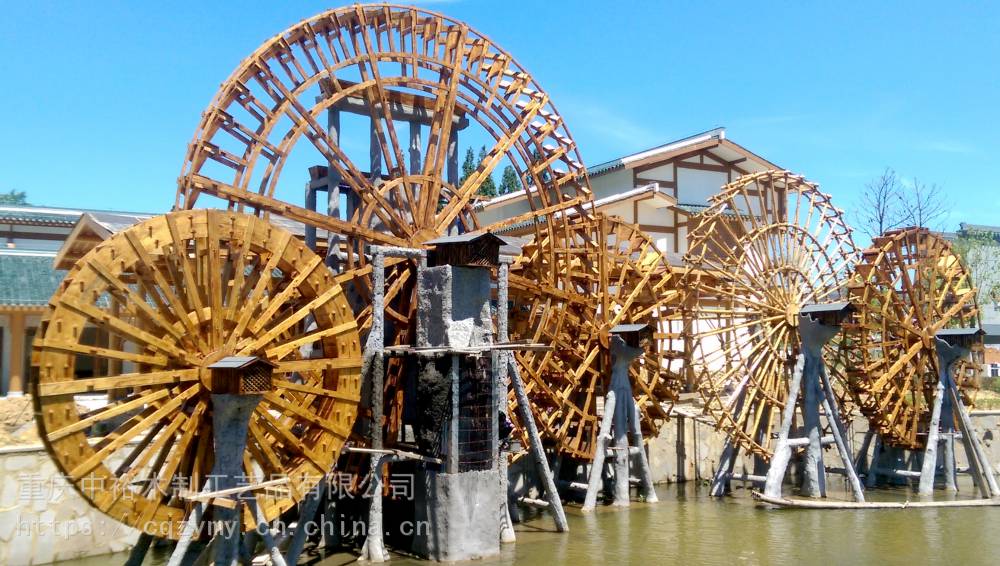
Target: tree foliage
[981,253]
[509,181]
[468,165]
[471,162]
[13,197]
[487,188]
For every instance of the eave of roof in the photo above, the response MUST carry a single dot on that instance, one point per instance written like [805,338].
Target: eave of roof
[706,139]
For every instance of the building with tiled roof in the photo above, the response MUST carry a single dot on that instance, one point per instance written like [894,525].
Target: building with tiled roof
[32,238]
[662,189]
[37,246]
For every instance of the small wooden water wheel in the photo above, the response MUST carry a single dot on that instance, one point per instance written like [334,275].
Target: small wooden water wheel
[909,285]
[768,244]
[175,294]
[417,78]
[616,275]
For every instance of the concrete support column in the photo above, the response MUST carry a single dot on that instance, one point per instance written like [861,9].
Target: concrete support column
[310,231]
[948,434]
[333,240]
[452,163]
[230,420]
[622,357]
[453,425]
[374,152]
[415,148]
[815,471]
[597,466]
[928,468]
[374,548]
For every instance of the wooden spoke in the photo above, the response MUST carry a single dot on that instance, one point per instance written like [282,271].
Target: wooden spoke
[768,244]
[909,285]
[398,67]
[612,260]
[224,283]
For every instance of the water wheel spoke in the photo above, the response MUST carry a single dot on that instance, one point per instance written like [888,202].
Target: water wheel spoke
[292,319]
[88,464]
[793,248]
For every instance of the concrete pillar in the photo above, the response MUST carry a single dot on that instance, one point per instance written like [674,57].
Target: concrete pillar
[17,345]
[333,240]
[929,467]
[806,377]
[597,467]
[230,420]
[310,231]
[815,472]
[452,159]
[453,426]
[415,148]
[948,433]
[622,357]
[374,152]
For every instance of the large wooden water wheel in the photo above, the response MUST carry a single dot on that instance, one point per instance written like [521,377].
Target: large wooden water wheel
[401,66]
[616,276]
[768,244]
[177,293]
[909,285]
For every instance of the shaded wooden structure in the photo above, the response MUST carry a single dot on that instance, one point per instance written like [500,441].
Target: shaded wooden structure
[616,276]
[909,285]
[916,360]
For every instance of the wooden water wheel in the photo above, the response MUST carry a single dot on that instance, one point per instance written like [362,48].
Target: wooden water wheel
[768,244]
[175,294]
[909,285]
[396,65]
[616,276]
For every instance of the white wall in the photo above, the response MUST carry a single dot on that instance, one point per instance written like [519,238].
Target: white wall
[694,186]
[611,183]
[661,173]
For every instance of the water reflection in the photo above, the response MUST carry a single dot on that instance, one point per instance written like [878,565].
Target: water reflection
[689,527]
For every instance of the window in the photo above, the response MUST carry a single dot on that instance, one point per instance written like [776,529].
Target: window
[994,370]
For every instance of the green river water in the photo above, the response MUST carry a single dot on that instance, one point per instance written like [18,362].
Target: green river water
[689,527]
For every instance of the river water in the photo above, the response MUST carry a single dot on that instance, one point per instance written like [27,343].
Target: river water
[689,527]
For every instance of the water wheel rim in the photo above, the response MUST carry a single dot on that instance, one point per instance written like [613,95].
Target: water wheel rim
[381,54]
[617,275]
[768,244]
[256,285]
[909,285]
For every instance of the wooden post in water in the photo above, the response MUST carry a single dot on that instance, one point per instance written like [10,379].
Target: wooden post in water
[810,376]
[597,466]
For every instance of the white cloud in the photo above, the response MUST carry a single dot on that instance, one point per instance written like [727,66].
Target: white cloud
[596,118]
[946,146]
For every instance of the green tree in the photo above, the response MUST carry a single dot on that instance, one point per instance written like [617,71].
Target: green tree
[487,188]
[980,251]
[468,166]
[13,198]
[509,181]
[536,158]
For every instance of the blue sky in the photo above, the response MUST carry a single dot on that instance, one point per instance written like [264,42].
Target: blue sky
[101,98]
